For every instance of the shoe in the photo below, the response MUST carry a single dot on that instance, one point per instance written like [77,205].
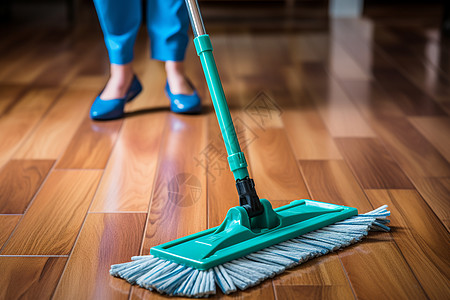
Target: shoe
[113,109]
[184,104]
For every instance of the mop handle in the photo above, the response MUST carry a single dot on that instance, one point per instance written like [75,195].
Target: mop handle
[236,158]
[248,198]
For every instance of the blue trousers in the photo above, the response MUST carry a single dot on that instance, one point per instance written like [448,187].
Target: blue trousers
[167,25]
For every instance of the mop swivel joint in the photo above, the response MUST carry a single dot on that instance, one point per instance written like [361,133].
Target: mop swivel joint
[248,198]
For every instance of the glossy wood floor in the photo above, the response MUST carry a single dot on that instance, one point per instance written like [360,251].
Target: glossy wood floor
[356,114]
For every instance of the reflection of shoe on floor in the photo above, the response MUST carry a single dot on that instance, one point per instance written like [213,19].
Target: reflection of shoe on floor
[184,104]
[113,109]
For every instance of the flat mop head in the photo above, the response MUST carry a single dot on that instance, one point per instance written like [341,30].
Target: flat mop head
[242,252]
[240,235]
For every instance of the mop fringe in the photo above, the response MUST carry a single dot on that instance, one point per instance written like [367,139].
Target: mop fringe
[173,279]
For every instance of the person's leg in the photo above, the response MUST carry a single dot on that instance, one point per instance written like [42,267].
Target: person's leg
[120,21]
[177,78]
[119,81]
[168,24]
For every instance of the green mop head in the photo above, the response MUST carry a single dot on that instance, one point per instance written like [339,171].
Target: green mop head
[243,252]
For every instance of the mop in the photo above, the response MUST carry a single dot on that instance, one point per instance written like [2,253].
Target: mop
[255,242]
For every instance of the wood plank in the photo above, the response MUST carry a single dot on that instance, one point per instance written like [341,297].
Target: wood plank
[414,154]
[8,95]
[316,278]
[275,179]
[49,48]
[436,192]
[180,187]
[56,130]
[244,46]
[366,262]
[436,131]
[31,66]
[332,181]
[372,101]
[373,166]
[93,83]
[421,238]
[435,54]
[97,62]
[22,118]
[339,114]
[320,44]
[19,181]
[311,292]
[129,176]
[301,50]
[15,59]
[51,224]
[343,66]
[271,48]
[152,98]
[91,145]
[418,64]
[105,239]
[19,39]
[412,100]
[7,225]
[308,135]
[260,108]
[30,277]
[61,70]
[295,84]
[253,49]
[179,191]
[446,107]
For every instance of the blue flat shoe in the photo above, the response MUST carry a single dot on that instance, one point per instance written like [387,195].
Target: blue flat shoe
[184,104]
[113,109]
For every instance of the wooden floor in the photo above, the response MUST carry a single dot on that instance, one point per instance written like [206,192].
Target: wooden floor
[354,114]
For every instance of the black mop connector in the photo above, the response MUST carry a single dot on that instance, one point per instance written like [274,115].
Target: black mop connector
[248,198]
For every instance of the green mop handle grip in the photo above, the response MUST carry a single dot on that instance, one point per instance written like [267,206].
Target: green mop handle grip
[248,198]
[236,158]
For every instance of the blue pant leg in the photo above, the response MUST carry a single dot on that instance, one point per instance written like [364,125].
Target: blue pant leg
[120,21]
[168,24]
